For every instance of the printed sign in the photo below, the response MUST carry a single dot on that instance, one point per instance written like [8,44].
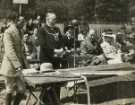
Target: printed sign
[20,1]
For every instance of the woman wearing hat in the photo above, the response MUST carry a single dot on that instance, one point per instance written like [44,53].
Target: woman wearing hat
[112,55]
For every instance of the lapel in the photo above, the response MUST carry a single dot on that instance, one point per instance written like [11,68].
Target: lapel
[16,33]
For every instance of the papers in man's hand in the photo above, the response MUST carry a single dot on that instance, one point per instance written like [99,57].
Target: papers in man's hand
[29,71]
[33,71]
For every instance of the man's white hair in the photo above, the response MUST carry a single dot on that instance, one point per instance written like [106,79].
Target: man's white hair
[91,31]
[51,15]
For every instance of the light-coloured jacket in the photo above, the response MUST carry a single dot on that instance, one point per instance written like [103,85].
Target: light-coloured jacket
[13,55]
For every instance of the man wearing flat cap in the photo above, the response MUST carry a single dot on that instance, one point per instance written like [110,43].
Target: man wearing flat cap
[129,51]
[13,62]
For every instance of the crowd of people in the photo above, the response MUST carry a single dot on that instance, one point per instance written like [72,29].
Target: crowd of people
[77,46]
[36,43]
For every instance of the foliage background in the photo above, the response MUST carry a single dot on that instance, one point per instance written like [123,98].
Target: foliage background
[94,11]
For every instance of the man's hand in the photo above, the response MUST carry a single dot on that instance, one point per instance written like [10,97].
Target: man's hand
[19,72]
[20,75]
[58,52]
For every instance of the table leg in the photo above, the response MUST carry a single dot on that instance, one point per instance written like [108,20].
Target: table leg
[75,91]
[31,94]
[88,90]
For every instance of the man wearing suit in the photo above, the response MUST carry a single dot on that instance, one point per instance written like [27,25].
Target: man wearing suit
[13,62]
[51,42]
[51,49]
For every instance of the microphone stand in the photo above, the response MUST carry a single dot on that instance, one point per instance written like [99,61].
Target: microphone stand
[75,26]
[74,46]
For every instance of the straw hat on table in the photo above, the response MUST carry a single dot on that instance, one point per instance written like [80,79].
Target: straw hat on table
[46,67]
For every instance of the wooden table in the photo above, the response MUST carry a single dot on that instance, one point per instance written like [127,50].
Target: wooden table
[43,79]
[98,75]
[52,77]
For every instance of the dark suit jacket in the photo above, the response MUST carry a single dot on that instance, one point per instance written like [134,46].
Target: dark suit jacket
[49,38]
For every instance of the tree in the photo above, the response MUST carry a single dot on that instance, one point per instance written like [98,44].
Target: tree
[104,11]
[56,5]
[132,8]
[112,10]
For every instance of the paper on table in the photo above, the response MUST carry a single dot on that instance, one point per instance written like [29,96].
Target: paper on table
[28,71]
